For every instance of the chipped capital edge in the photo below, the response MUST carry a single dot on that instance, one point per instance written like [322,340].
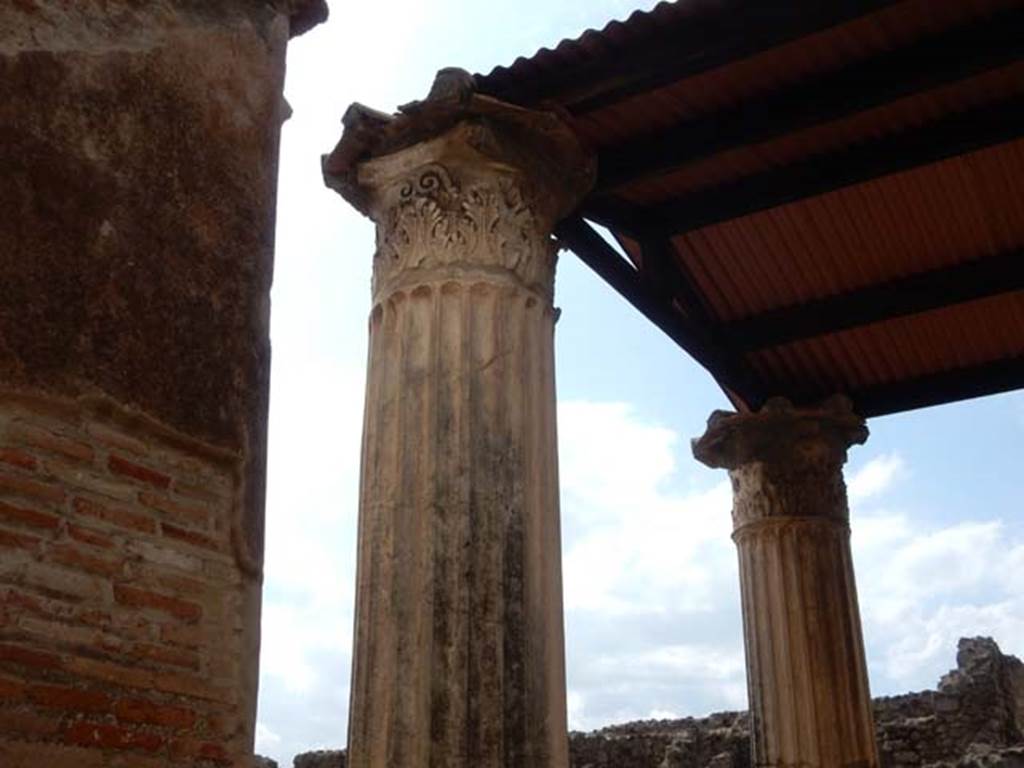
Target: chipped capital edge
[369,133]
[774,432]
[303,15]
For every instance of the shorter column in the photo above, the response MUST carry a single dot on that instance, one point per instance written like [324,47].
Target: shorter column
[806,677]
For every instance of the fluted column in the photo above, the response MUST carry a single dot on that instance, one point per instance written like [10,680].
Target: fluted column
[806,675]
[459,648]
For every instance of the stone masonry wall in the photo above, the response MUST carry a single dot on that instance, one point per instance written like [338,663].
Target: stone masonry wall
[326,758]
[974,720]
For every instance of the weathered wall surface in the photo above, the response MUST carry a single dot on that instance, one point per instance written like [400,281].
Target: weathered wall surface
[978,703]
[974,720]
[139,145]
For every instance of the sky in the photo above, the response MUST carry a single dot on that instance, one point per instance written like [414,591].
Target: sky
[653,625]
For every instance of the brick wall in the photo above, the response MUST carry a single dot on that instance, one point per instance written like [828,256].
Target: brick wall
[122,601]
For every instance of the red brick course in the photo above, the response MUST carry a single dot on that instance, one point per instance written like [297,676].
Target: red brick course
[23,724]
[89,536]
[115,515]
[12,540]
[53,443]
[105,736]
[27,517]
[73,557]
[171,656]
[185,514]
[71,699]
[117,638]
[143,711]
[141,598]
[16,458]
[122,466]
[23,486]
[190,537]
[27,657]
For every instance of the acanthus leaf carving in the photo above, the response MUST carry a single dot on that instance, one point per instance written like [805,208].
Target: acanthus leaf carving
[437,221]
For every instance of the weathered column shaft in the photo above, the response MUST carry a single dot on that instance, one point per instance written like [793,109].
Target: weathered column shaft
[807,677]
[459,548]
[806,673]
[459,647]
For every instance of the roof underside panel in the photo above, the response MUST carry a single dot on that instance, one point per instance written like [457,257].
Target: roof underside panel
[892,118]
[964,208]
[955,338]
[787,66]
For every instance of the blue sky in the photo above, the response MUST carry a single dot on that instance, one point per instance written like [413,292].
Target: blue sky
[652,600]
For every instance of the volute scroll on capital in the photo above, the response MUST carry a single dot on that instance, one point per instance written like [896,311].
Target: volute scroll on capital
[444,220]
[785,463]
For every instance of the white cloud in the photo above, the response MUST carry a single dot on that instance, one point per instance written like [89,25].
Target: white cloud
[608,457]
[649,571]
[633,542]
[924,584]
[575,707]
[663,714]
[266,739]
[682,660]
[875,477]
[313,471]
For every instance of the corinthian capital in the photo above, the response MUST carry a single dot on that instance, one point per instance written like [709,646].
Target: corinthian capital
[460,182]
[781,434]
[784,462]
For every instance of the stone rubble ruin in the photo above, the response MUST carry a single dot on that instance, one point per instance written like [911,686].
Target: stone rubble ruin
[974,719]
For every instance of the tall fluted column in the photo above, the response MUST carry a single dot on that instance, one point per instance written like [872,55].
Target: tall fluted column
[459,648]
[806,675]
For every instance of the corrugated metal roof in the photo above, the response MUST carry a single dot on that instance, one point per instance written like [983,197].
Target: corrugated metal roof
[892,118]
[777,68]
[945,200]
[964,208]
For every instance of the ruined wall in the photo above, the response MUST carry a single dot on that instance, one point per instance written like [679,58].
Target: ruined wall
[326,758]
[975,718]
[139,147]
[976,704]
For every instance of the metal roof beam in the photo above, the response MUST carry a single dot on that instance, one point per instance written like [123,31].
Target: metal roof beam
[948,137]
[968,281]
[655,304]
[953,55]
[941,387]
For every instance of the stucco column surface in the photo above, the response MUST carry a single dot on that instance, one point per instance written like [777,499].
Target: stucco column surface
[459,649]
[806,674]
